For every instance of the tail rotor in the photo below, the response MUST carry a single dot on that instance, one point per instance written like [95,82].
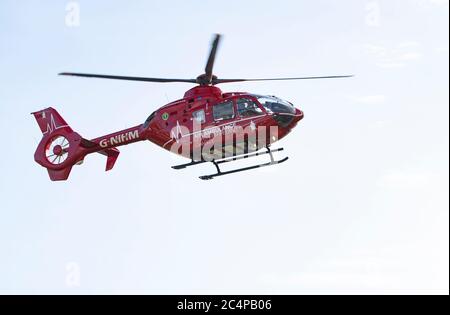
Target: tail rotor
[57,150]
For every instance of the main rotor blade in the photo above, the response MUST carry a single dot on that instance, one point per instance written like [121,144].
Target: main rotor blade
[212,57]
[115,77]
[219,81]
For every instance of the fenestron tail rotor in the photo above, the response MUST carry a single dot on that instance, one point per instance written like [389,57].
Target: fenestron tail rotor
[208,78]
[57,150]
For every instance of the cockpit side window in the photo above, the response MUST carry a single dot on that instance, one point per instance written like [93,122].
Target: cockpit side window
[223,111]
[248,108]
[199,116]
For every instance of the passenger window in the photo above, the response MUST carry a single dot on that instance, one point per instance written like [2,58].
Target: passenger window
[223,111]
[248,108]
[199,116]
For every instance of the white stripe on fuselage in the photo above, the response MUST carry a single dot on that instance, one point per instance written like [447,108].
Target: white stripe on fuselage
[179,131]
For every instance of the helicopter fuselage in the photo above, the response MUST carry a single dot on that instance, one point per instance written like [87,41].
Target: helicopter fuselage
[217,124]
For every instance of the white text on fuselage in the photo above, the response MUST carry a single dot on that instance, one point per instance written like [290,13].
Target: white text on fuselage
[216,131]
[177,132]
[119,139]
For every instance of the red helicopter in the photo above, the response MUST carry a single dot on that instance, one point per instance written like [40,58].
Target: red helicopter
[206,125]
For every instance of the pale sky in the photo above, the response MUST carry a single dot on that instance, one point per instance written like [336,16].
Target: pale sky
[362,206]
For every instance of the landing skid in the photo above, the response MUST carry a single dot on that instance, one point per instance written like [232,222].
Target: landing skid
[217,163]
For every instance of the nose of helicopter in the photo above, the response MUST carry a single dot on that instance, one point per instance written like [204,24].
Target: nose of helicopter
[297,117]
[288,117]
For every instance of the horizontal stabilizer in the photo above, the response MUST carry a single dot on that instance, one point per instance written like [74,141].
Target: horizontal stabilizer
[112,154]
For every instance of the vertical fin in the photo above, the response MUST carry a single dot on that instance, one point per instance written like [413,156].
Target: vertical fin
[49,120]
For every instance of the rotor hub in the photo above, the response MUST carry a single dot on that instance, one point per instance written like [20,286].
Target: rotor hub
[57,150]
[203,79]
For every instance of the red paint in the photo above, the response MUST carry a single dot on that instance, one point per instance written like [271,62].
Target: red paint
[160,130]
